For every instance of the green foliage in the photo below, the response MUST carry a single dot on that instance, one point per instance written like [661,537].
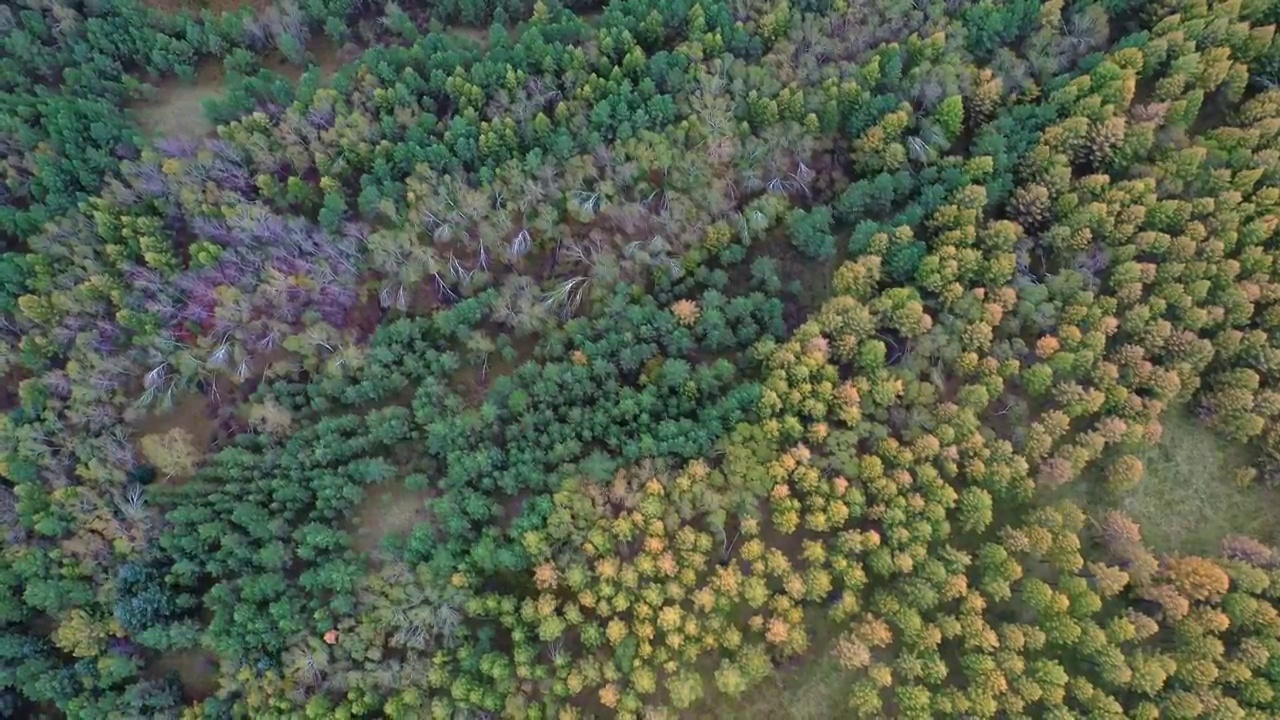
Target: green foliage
[232,535]
[462,380]
[144,604]
[950,116]
[810,232]
[990,25]
[14,270]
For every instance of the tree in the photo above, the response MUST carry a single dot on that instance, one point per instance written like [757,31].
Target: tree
[172,452]
[142,599]
[80,634]
[270,417]
[810,232]
[685,689]
[975,509]
[950,117]
[1124,473]
[1196,578]
[730,680]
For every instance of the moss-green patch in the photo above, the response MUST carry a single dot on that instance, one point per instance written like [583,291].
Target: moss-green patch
[1189,499]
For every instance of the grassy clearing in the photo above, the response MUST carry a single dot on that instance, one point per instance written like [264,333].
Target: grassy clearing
[813,687]
[816,689]
[322,51]
[1189,500]
[192,412]
[216,6]
[388,509]
[196,669]
[178,107]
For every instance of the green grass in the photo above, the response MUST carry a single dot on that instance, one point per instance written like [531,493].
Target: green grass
[1189,500]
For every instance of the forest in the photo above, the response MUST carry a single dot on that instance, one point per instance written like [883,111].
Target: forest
[567,359]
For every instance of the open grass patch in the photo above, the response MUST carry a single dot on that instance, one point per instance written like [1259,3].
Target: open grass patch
[812,687]
[1189,499]
[177,109]
[197,671]
[816,689]
[390,508]
[217,6]
[190,414]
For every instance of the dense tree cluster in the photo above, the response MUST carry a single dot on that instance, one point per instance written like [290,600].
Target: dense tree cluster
[68,70]
[702,337]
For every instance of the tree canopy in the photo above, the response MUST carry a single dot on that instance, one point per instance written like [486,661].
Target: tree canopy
[553,360]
